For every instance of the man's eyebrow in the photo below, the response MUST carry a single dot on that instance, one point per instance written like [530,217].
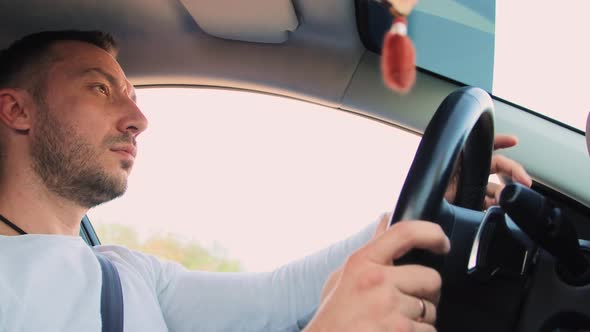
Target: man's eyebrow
[112,79]
[101,72]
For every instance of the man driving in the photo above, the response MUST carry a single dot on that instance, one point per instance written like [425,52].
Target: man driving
[69,124]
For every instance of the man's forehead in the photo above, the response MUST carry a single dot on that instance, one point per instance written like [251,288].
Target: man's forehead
[74,48]
[79,58]
[75,56]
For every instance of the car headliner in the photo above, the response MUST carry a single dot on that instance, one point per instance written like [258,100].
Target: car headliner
[323,61]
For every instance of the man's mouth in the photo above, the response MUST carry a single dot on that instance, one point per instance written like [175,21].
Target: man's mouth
[128,150]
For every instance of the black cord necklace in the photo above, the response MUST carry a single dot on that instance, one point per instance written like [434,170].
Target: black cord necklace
[11,225]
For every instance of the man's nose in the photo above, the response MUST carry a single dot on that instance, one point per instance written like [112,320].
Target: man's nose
[134,120]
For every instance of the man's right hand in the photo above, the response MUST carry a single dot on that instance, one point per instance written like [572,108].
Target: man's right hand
[368,293]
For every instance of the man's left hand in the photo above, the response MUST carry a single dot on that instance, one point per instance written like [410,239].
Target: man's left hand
[505,167]
[502,166]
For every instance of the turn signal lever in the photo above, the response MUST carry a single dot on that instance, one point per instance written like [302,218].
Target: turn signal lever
[547,226]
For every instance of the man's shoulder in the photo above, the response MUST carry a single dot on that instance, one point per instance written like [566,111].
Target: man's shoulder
[124,255]
[129,261]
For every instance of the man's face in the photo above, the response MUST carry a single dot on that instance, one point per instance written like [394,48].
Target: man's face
[83,138]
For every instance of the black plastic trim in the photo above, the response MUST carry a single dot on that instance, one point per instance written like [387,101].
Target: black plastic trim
[561,199]
[571,209]
[362,21]
[84,235]
[89,233]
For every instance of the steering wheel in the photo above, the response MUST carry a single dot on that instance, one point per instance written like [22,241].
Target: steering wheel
[495,278]
[463,122]
[461,131]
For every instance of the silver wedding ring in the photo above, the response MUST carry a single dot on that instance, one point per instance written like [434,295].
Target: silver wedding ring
[423,311]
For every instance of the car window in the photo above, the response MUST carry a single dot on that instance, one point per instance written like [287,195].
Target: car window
[519,51]
[229,180]
[487,44]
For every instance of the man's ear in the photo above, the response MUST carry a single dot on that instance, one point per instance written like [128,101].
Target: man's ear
[14,110]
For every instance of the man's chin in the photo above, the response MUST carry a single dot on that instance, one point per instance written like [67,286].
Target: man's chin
[127,165]
[103,197]
[102,189]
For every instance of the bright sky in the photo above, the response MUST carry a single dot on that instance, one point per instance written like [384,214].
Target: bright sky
[542,57]
[267,178]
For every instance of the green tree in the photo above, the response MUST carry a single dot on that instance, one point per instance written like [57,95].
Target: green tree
[190,254]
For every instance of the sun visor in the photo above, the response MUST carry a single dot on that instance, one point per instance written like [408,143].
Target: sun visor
[263,21]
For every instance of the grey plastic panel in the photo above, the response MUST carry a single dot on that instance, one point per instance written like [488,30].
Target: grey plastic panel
[368,95]
[161,43]
[556,156]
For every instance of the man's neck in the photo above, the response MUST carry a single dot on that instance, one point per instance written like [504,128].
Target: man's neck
[36,210]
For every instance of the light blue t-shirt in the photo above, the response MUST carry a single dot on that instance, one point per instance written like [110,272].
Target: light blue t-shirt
[53,283]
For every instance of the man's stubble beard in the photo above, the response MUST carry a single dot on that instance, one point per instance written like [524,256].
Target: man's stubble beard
[69,165]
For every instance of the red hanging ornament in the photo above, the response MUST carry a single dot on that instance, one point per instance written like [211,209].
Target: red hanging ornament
[398,55]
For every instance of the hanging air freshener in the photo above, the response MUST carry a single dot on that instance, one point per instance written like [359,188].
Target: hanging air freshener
[398,55]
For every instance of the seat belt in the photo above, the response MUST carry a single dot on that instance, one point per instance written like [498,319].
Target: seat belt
[111,300]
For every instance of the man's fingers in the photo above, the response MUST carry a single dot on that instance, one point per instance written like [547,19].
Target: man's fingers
[423,327]
[493,191]
[489,202]
[504,141]
[403,323]
[403,236]
[414,308]
[506,166]
[418,281]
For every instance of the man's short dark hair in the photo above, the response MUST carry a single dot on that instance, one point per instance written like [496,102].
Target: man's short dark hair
[23,63]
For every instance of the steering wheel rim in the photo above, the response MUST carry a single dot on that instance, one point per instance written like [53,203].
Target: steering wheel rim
[463,123]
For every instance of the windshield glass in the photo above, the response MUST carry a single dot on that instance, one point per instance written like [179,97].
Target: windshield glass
[229,180]
[531,54]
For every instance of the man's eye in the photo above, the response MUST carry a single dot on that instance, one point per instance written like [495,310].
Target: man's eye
[102,89]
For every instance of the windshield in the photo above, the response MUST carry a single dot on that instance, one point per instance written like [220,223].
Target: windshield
[529,53]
